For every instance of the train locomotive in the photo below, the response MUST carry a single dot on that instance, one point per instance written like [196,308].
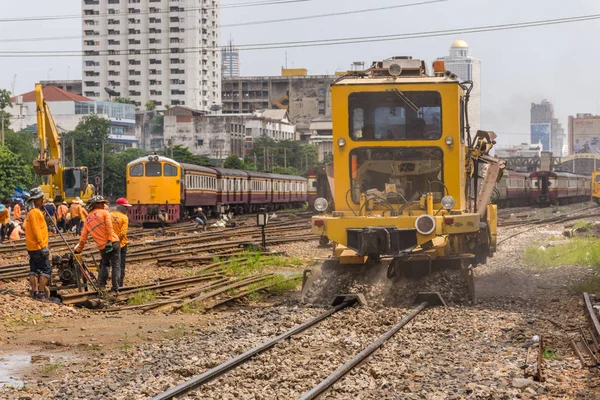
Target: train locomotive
[411,184]
[164,190]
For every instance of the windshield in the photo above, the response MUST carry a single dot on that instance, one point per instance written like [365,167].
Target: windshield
[395,115]
[597,178]
[403,173]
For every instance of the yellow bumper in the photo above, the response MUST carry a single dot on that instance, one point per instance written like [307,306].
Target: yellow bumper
[335,228]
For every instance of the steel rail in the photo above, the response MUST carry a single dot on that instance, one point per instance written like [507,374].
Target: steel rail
[217,371]
[360,357]
[592,314]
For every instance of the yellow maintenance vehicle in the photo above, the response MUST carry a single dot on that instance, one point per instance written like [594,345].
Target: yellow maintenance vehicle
[61,183]
[410,184]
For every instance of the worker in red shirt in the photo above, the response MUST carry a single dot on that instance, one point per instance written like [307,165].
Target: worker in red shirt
[99,225]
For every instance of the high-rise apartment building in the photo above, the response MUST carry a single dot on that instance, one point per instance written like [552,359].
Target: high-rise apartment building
[467,68]
[541,123]
[230,61]
[166,51]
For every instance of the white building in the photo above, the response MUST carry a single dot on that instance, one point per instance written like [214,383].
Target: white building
[523,150]
[321,130]
[218,136]
[272,123]
[165,51]
[230,61]
[467,68]
[68,109]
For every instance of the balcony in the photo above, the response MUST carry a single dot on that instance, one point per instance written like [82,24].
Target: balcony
[92,83]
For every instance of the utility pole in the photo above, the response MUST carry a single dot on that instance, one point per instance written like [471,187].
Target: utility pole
[72,152]
[2,118]
[265,159]
[102,172]
[284,158]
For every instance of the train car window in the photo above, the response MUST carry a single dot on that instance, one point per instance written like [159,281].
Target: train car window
[153,169]
[136,170]
[170,170]
[405,171]
[395,115]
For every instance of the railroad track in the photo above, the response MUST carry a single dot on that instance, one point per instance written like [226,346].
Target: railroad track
[176,249]
[341,302]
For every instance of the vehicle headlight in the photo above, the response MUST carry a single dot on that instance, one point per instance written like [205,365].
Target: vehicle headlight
[448,202]
[321,204]
[341,142]
[425,224]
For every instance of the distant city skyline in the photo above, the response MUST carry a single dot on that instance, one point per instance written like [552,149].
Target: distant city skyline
[521,66]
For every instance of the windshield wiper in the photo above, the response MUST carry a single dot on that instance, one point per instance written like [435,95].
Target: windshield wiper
[403,97]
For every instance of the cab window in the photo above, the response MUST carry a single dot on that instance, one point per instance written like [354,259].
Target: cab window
[170,170]
[395,115]
[136,170]
[153,169]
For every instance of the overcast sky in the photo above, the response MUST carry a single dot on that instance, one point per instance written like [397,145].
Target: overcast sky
[557,62]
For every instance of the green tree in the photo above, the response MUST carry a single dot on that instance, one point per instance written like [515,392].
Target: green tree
[123,100]
[4,103]
[150,105]
[157,124]
[234,162]
[184,155]
[285,153]
[115,171]
[13,172]
[24,144]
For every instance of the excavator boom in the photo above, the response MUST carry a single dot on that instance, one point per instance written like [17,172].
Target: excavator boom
[48,161]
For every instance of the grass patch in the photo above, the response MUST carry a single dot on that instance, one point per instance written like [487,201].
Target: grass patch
[22,319]
[142,297]
[592,285]
[177,332]
[50,369]
[250,263]
[549,354]
[126,346]
[278,282]
[583,225]
[577,251]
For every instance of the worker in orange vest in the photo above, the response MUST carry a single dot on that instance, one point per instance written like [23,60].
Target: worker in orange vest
[76,215]
[36,241]
[4,218]
[99,225]
[120,226]
[17,211]
[61,216]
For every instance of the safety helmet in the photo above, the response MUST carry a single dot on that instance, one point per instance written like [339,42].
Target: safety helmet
[93,201]
[36,193]
[123,202]
[199,209]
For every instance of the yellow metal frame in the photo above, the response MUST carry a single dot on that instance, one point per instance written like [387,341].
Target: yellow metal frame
[595,187]
[457,223]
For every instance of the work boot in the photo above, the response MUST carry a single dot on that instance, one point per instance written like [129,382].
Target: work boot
[102,292]
[113,296]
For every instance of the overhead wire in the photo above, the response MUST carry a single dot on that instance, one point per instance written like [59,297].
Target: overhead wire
[158,11]
[322,42]
[261,22]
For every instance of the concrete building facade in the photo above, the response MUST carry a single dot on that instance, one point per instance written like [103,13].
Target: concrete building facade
[584,134]
[546,129]
[218,136]
[68,109]
[321,129]
[73,86]
[467,68]
[164,51]
[305,97]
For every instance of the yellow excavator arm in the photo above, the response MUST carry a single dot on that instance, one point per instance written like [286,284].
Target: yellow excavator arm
[48,161]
